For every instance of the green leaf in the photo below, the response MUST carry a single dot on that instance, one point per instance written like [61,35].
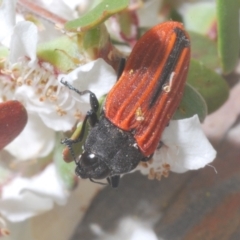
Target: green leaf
[228,33]
[199,17]
[91,38]
[95,38]
[209,84]
[61,53]
[192,103]
[3,52]
[97,15]
[204,50]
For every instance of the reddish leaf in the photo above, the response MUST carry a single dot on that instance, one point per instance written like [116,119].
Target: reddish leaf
[13,118]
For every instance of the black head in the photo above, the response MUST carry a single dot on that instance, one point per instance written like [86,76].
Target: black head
[91,166]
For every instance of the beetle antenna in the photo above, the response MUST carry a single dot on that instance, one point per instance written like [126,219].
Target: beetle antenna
[93,101]
[66,84]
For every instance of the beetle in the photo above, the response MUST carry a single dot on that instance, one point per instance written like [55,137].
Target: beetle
[138,108]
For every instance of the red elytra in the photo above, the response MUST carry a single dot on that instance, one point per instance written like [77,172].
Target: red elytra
[13,118]
[141,101]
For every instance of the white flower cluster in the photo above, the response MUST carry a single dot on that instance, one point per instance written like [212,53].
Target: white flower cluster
[52,108]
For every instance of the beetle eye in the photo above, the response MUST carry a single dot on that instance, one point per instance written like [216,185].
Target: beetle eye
[88,159]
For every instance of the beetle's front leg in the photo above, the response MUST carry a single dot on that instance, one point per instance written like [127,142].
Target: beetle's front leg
[114,181]
[91,117]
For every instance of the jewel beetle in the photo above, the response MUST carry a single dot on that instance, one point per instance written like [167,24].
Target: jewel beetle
[138,108]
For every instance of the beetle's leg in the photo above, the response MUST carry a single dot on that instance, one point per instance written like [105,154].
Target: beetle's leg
[121,67]
[114,181]
[91,117]
[69,142]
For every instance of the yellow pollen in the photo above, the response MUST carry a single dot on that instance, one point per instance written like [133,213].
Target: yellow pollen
[78,115]
[144,164]
[43,81]
[60,111]
[53,98]
[19,82]
[13,88]
[29,82]
[131,72]
[55,88]
[39,91]
[15,73]
[139,115]
[158,176]
[166,166]
[42,99]
[165,173]
[49,92]
[151,174]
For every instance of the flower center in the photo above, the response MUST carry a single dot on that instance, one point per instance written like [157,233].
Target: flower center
[36,85]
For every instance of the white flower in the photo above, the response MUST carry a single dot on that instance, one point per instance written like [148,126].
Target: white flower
[129,228]
[184,147]
[51,107]
[49,104]
[148,20]
[26,197]
[7,20]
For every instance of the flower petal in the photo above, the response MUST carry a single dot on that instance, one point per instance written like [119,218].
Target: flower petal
[129,228]
[27,197]
[7,21]
[60,8]
[185,147]
[190,147]
[23,42]
[96,76]
[147,20]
